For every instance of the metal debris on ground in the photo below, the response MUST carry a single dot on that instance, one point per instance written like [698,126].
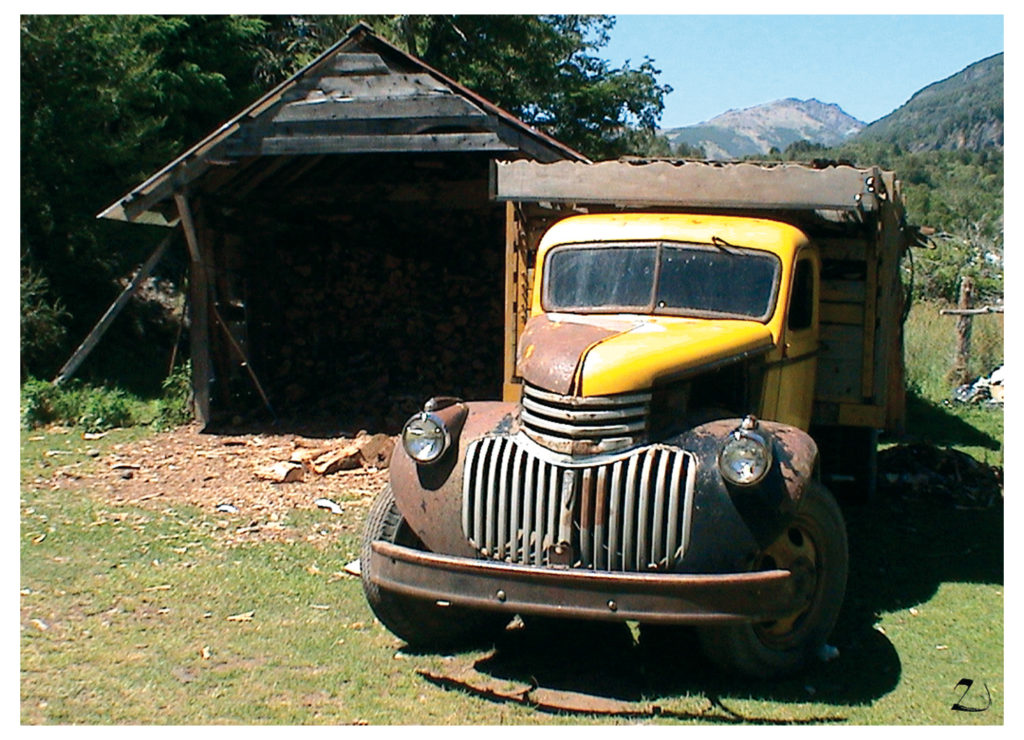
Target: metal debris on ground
[939,474]
[326,503]
[988,390]
[538,697]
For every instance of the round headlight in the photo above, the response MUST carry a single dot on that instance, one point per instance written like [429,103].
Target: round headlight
[745,458]
[425,437]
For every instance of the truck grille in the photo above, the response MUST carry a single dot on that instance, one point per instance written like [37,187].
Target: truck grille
[628,514]
[604,422]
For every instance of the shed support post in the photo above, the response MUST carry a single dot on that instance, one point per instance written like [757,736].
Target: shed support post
[119,303]
[199,305]
[516,294]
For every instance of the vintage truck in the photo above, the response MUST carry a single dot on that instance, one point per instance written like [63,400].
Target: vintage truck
[683,333]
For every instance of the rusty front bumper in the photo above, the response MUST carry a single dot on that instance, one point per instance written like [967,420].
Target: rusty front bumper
[665,598]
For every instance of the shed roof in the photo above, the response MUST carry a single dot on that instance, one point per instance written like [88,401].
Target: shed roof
[361,95]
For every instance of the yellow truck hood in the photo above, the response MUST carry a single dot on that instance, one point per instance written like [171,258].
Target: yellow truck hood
[630,353]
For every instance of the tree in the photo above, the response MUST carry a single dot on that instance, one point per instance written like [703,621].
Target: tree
[105,100]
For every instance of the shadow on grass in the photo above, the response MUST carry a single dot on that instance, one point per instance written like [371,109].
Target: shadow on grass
[900,552]
[935,425]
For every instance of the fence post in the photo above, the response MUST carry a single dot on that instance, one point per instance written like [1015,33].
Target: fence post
[963,332]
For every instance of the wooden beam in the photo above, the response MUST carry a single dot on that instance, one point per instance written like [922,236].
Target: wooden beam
[244,359]
[359,64]
[970,311]
[94,336]
[511,335]
[687,185]
[398,143]
[199,304]
[375,86]
[419,106]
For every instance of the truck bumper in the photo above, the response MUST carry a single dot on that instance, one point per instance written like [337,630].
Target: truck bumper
[662,598]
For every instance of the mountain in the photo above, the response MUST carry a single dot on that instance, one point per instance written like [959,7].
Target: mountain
[964,111]
[756,130]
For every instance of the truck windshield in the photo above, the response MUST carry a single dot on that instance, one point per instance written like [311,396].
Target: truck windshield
[664,278]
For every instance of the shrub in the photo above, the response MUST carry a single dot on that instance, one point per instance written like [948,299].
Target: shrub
[95,409]
[175,406]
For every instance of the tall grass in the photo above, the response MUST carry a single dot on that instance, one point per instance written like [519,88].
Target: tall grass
[930,348]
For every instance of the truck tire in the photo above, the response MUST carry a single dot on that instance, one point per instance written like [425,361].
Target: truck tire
[421,623]
[784,646]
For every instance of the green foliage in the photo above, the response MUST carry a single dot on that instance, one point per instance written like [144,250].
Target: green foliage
[957,194]
[689,151]
[105,100]
[175,406]
[91,408]
[42,317]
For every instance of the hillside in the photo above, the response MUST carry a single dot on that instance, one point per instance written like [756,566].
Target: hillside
[756,130]
[964,111]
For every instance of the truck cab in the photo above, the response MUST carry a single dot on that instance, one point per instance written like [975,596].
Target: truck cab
[653,462]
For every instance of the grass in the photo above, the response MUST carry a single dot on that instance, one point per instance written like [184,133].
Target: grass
[930,347]
[126,617]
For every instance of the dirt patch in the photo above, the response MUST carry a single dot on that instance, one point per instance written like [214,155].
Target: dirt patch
[222,473]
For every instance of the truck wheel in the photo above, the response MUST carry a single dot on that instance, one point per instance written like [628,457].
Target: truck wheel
[816,536]
[419,622]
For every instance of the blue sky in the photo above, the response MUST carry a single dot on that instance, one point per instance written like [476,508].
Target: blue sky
[867,64]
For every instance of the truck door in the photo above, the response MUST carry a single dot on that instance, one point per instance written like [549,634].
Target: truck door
[800,342]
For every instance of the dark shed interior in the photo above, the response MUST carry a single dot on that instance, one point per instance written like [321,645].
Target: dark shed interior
[355,302]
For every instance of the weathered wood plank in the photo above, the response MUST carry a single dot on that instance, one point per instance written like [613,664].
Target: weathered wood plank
[199,304]
[693,184]
[842,291]
[398,143]
[842,313]
[355,63]
[841,341]
[418,106]
[377,86]
[837,380]
[842,249]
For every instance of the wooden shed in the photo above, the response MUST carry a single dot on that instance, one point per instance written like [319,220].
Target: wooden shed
[346,260]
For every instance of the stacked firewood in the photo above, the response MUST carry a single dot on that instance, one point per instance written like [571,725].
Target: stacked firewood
[367,323]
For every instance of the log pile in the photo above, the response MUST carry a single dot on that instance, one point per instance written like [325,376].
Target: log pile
[363,323]
[370,452]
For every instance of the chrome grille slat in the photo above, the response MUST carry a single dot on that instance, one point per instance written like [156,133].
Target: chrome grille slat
[615,518]
[661,480]
[492,495]
[629,516]
[600,518]
[591,418]
[584,415]
[503,500]
[631,513]
[517,497]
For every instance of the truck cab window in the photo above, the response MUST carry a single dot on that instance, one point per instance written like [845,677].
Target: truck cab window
[801,301]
